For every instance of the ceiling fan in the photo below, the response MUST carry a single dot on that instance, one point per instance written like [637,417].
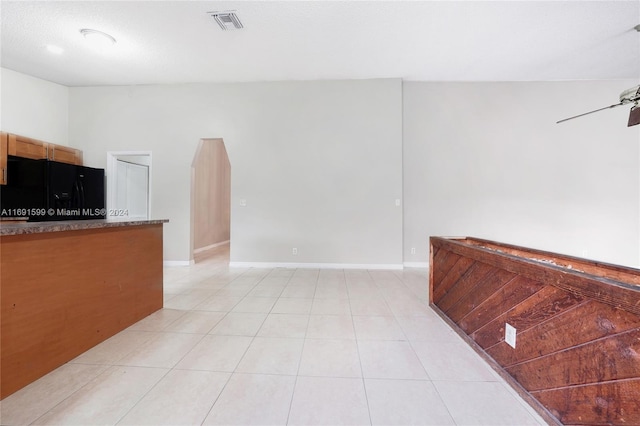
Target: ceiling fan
[631,95]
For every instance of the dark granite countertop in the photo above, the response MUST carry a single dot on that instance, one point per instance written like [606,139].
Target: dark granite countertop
[70,225]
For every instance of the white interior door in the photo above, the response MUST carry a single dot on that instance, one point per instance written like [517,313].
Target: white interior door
[132,190]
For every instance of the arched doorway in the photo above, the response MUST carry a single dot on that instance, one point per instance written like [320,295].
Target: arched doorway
[210,202]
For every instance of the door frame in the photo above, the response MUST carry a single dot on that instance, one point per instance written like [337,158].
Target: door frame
[112,158]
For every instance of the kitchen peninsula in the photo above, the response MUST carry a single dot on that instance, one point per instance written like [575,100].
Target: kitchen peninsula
[67,286]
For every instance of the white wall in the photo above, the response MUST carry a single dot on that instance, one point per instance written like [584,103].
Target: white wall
[488,160]
[33,107]
[319,163]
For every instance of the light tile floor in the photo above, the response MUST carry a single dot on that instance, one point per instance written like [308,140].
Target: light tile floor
[276,347]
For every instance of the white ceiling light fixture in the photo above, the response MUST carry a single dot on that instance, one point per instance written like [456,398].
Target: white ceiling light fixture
[227,20]
[98,39]
[56,50]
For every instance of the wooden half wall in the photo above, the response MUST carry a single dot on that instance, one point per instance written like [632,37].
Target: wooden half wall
[577,354]
[62,293]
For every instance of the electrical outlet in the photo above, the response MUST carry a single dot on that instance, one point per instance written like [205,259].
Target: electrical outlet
[510,335]
[585,253]
[243,202]
[397,202]
[294,251]
[413,250]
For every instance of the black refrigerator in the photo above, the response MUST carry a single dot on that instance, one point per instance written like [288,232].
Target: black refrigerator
[75,192]
[45,190]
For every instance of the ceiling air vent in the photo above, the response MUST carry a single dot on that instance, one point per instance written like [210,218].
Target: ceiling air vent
[227,20]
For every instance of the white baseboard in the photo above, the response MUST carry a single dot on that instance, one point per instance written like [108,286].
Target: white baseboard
[178,262]
[201,249]
[315,265]
[293,265]
[416,265]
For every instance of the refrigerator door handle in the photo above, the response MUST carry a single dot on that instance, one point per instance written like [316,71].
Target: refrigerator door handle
[81,195]
[75,196]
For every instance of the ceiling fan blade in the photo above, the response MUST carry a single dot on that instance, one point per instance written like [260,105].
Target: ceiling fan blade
[634,116]
[591,112]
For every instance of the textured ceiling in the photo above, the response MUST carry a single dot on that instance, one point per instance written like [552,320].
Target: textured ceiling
[177,42]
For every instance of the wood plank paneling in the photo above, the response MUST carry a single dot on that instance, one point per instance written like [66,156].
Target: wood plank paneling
[64,292]
[433,251]
[455,273]
[612,403]
[477,272]
[493,282]
[602,269]
[578,332]
[615,293]
[443,261]
[547,302]
[512,293]
[610,358]
[573,327]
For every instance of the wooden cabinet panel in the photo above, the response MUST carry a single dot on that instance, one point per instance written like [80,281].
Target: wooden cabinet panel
[21,146]
[65,154]
[64,292]
[3,158]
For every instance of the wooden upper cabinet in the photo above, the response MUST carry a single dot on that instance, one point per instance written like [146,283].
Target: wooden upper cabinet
[65,154]
[3,158]
[21,146]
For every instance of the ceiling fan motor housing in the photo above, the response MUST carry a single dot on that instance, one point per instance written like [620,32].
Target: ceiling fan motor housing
[630,95]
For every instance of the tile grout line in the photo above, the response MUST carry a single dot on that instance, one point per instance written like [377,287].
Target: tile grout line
[231,374]
[71,394]
[364,384]
[144,395]
[304,343]
[252,339]
[171,368]
[421,364]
